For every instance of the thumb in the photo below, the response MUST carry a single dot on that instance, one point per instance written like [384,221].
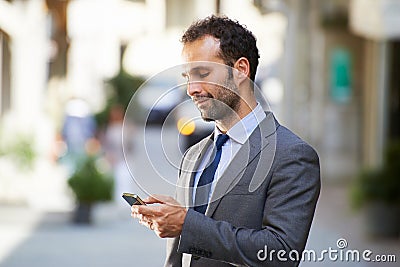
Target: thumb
[162,199]
[153,199]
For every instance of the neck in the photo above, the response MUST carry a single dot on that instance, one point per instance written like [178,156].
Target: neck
[244,108]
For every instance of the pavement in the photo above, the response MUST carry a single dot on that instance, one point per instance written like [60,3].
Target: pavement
[336,221]
[32,237]
[48,239]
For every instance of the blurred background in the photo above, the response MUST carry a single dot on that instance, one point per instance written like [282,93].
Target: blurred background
[68,68]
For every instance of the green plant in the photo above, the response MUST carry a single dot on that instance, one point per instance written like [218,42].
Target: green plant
[381,184]
[90,183]
[21,150]
[120,90]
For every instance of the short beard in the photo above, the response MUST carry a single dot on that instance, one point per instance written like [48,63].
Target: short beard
[226,104]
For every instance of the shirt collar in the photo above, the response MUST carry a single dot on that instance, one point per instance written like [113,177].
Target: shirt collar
[242,130]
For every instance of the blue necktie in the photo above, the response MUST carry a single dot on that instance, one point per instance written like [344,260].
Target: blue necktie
[204,186]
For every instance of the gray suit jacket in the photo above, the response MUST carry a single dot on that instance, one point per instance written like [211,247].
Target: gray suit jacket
[264,201]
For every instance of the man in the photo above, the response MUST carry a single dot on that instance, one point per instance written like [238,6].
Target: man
[264,183]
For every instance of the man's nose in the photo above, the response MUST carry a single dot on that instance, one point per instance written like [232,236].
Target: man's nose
[193,88]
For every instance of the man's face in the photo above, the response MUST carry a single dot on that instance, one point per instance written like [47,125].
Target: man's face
[210,83]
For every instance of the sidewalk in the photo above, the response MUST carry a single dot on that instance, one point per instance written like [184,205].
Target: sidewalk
[334,220]
[34,238]
[31,238]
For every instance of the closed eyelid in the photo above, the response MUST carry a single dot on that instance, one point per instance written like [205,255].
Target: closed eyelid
[204,74]
[197,74]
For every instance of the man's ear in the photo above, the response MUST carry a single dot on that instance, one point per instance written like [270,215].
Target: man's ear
[243,67]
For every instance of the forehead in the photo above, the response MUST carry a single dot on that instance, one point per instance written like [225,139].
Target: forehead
[203,49]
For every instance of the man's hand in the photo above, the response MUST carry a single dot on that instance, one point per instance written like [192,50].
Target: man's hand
[166,219]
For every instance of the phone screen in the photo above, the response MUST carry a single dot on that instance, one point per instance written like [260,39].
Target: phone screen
[133,199]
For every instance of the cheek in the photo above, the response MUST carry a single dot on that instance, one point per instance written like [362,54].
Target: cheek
[213,91]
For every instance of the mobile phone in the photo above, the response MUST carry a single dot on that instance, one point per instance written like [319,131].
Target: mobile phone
[133,199]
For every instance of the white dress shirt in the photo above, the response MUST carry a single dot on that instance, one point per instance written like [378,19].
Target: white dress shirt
[238,135]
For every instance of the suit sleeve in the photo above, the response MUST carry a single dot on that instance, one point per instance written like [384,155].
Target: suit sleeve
[288,212]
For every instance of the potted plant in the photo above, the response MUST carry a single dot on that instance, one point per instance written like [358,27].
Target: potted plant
[120,90]
[378,192]
[90,184]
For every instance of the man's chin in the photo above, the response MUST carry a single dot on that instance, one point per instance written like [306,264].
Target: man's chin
[207,117]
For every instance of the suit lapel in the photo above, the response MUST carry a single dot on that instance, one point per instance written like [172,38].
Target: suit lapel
[255,144]
[189,168]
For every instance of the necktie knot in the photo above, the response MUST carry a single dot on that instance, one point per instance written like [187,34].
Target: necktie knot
[221,140]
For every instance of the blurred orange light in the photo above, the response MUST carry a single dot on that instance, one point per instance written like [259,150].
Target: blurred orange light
[186,126]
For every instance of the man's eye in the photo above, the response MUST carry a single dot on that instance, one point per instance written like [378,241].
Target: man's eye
[204,75]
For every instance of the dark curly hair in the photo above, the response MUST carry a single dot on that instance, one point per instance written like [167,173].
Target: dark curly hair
[236,40]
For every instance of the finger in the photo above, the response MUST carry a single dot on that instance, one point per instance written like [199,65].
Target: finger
[145,218]
[149,211]
[145,223]
[153,199]
[148,223]
[134,208]
[162,199]
[135,215]
[143,210]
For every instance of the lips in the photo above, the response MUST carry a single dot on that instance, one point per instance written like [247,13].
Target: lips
[198,100]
